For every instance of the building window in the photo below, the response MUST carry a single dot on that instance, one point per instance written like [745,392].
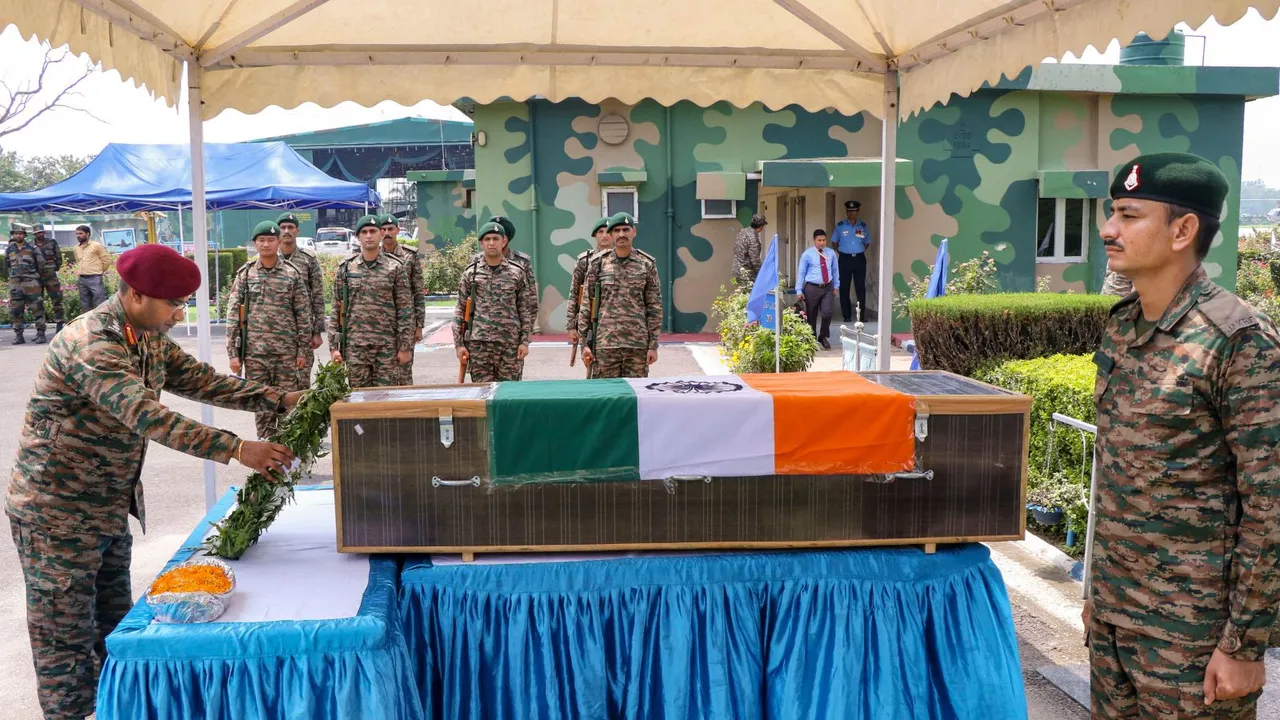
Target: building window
[719,209]
[468,198]
[614,200]
[1063,230]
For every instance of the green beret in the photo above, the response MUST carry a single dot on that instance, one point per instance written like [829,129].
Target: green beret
[492,228]
[367,221]
[1174,178]
[621,218]
[288,218]
[601,223]
[388,219]
[506,224]
[266,227]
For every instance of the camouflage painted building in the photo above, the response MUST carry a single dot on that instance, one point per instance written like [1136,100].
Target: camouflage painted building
[445,213]
[1019,170]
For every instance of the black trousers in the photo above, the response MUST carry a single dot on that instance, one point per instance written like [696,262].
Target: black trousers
[818,300]
[853,267]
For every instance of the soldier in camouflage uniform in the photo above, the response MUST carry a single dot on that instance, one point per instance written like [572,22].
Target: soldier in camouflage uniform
[747,254]
[76,478]
[629,315]
[1116,284]
[1185,584]
[371,326]
[26,264]
[603,241]
[308,266]
[391,246]
[269,322]
[515,256]
[503,304]
[49,281]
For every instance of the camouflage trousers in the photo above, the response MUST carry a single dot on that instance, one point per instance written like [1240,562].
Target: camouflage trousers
[1132,675]
[494,362]
[77,592]
[304,374]
[25,299]
[53,286]
[406,371]
[372,366]
[620,363]
[279,372]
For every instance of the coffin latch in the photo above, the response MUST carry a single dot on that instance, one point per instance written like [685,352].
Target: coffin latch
[922,426]
[446,427]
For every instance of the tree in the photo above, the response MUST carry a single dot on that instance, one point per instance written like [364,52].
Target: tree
[22,106]
[19,175]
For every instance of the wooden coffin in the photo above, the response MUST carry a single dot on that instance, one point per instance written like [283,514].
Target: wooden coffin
[401,488]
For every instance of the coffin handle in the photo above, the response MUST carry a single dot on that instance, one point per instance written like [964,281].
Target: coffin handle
[437,482]
[920,475]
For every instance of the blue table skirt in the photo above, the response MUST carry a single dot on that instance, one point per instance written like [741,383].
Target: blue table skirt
[839,634]
[349,668]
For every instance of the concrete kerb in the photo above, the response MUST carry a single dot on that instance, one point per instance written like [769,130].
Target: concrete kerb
[1053,556]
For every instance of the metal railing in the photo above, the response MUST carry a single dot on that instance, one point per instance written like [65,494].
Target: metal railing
[1083,427]
[859,349]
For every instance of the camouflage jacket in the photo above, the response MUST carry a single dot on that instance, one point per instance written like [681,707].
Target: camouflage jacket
[371,304]
[409,257]
[1116,284]
[277,312]
[25,261]
[746,256]
[575,288]
[630,310]
[313,277]
[95,405]
[52,255]
[504,306]
[1188,477]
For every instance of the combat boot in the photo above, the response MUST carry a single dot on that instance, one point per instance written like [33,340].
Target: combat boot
[19,340]
[39,337]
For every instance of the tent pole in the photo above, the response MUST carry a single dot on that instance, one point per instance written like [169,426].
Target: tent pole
[199,217]
[182,243]
[888,214]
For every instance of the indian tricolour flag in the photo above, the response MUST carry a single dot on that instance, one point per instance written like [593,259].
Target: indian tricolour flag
[820,423]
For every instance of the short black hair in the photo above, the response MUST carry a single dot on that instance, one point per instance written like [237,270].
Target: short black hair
[819,232]
[1209,226]
[84,228]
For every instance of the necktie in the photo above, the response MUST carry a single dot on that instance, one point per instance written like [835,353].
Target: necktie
[823,259]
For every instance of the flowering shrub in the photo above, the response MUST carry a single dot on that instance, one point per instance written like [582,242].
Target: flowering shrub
[749,348]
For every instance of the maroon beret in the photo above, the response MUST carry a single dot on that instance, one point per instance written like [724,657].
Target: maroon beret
[158,271]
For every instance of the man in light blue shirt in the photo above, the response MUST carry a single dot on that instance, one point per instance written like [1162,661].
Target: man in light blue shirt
[851,240]
[816,282]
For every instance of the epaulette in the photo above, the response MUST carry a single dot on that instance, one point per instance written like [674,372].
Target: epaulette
[391,256]
[409,249]
[645,255]
[245,267]
[307,250]
[348,259]
[523,256]
[1227,312]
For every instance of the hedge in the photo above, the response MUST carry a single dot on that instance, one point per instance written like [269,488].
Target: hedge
[222,267]
[1266,256]
[965,333]
[1062,384]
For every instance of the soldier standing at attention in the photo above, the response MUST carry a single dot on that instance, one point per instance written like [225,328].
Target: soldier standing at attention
[629,316]
[26,264]
[92,262]
[495,343]
[852,237]
[747,254]
[371,327]
[391,246]
[304,260]
[603,241]
[269,322]
[77,477]
[49,281]
[1185,583]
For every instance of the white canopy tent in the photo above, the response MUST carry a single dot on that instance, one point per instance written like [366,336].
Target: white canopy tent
[880,56]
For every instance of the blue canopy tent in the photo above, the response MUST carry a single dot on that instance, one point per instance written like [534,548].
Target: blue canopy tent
[228,176]
[238,176]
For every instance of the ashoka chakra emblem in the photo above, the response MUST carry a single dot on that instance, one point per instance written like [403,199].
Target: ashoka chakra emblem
[695,387]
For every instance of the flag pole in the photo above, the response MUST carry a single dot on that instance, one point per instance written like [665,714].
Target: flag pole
[777,314]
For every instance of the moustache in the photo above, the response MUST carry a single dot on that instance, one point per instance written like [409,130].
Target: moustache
[1112,243]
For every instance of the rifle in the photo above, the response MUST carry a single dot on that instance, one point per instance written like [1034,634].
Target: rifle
[343,308]
[466,328]
[573,353]
[595,326]
[244,327]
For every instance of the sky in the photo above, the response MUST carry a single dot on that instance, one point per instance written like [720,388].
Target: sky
[126,114]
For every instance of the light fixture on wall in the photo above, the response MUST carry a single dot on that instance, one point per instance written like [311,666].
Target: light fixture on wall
[481,138]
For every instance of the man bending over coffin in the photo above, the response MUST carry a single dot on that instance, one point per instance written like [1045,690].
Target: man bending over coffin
[77,477]
[493,341]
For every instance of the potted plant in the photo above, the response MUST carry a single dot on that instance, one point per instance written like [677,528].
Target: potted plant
[1050,499]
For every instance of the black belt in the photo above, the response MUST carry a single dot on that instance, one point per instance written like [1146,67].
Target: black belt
[854,254]
[90,276]
[819,285]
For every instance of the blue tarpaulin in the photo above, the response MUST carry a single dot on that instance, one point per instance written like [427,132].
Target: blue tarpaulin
[238,176]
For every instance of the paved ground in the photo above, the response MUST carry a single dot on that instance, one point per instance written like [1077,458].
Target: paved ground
[175,501]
